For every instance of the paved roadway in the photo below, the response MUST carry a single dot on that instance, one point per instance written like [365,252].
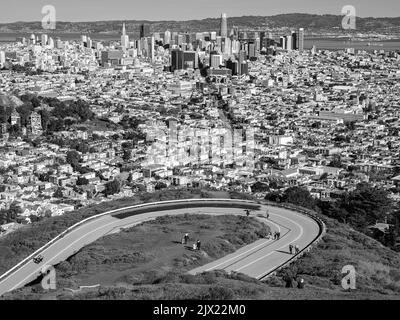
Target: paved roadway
[255,260]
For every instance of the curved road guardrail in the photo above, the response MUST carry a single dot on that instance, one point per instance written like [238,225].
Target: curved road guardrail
[310,213]
[203,201]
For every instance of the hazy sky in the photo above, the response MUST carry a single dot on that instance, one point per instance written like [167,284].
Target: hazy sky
[91,10]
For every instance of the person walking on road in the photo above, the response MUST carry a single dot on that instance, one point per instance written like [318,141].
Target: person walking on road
[278,235]
[291,248]
[297,248]
[267,214]
[247,212]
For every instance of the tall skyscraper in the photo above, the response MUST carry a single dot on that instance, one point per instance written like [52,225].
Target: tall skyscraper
[282,42]
[289,43]
[124,38]
[177,60]
[295,44]
[151,45]
[300,39]
[144,30]
[224,26]
[167,37]
[44,39]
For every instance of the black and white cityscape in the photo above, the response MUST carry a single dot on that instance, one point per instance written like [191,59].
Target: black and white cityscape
[228,151]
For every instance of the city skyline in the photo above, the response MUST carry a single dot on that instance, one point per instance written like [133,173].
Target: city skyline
[125,10]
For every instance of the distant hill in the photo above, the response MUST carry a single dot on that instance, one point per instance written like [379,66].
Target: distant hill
[311,22]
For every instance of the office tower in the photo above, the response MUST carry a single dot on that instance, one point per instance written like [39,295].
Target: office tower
[289,43]
[244,68]
[190,60]
[124,38]
[233,65]
[241,56]
[156,36]
[218,42]
[59,44]
[179,39]
[112,57]
[167,37]
[258,45]
[184,46]
[235,46]
[144,44]
[252,35]
[252,50]
[151,45]
[294,41]
[2,58]
[44,39]
[187,38]
[199,36]
[227,49]
[51,42]
[32,39]
[224,26]
[177,60]
[144,30]
[83,38]
[301,40]
[213,36]
[263,37]
[215,60]
[235,32]
[90,43]
[282,42]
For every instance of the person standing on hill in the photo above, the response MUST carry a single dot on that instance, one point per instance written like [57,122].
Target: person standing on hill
[300,283]
[198,244]
[186,238]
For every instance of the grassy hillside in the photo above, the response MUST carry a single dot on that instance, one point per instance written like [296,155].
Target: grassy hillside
[151,253]
[140,275]
[23,242]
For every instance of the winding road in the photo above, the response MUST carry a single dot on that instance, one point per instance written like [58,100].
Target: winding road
[256,260]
